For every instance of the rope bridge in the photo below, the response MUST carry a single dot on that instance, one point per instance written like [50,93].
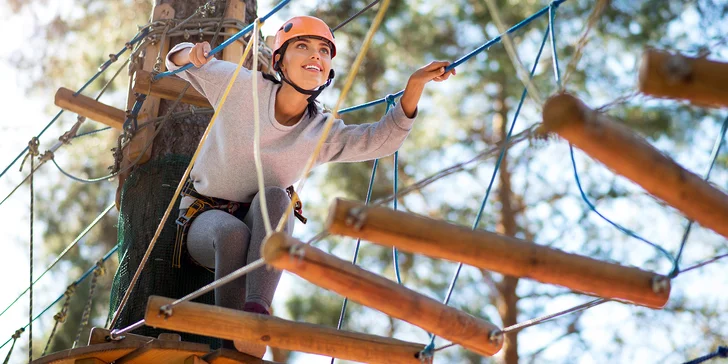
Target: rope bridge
[281,246]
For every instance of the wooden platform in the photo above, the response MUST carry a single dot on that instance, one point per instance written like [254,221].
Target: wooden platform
[145,350]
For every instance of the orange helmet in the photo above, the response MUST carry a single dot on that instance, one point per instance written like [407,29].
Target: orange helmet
[304,26]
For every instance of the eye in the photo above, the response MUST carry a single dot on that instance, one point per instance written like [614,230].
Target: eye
[325,51]
[301,46]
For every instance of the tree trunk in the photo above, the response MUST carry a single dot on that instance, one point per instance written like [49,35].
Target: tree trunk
[508,300]
[144,198]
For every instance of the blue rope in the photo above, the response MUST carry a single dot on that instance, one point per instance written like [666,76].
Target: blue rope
[77,282]
[617,226]
[358,241]
[82,180]
[554,4]
[224,44]
[395,255]
[721,352]
[136,39]
[714,156]
[495,170]
[92,132]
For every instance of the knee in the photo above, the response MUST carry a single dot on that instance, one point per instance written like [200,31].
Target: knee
[276,193]
[231,234]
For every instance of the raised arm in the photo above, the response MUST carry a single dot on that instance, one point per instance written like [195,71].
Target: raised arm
[209,76]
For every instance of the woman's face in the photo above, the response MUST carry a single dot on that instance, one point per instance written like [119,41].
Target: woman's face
[306,62]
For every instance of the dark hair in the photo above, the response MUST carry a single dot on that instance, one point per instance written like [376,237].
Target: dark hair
[312,107]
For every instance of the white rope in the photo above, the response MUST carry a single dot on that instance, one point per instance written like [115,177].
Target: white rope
[256,140]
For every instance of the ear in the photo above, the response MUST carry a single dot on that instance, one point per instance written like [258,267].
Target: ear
[277,64]
[331,74]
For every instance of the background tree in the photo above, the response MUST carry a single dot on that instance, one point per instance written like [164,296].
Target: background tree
[534,196]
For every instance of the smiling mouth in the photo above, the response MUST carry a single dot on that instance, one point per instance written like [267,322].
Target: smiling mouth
[312,68]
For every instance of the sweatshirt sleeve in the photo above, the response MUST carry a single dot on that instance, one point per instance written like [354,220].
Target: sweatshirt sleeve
[356,143]
[211,79]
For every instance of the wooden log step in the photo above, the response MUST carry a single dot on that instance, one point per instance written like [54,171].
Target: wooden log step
[496,252]
[107,353]
[633,157]
[228,356]
[272,331]
[167,88]
[699,80]
[90,108]
[369,289]
[164,351]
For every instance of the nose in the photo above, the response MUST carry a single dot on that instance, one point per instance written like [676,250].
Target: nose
[315,55]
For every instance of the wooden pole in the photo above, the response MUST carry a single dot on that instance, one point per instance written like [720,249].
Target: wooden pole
[369,289]
[168,88]
[90,108]
[150,108]
[231,324]
[496,252]
[633,157]
[235,10]
[702,82]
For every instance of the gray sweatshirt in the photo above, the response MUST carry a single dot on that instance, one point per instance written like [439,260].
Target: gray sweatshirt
[225,167]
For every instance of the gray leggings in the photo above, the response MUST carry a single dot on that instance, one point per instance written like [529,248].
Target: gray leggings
[218,240]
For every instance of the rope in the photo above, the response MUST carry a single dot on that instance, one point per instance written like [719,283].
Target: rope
[142,33]
[581,44]
[256,135]
[714,156]
[495,172]
[63,253]
[77,282]
[15,337]
[177,192]
[334,114]
[360,12]
[228,41]
[61,316]
[721,352]
[30,307]
[98,271]
[358,241]
[521,71]
[167,309]
[704,263]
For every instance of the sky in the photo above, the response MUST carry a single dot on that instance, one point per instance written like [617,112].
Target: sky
[26,115]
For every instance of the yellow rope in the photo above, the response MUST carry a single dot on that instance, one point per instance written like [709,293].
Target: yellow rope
[179,186]
[334,114]
[523,74]
[256,140]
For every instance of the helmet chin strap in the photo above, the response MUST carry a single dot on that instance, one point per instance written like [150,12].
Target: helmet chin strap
[313,94]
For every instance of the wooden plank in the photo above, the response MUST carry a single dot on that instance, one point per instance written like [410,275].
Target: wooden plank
[90,108]
[108,353]
[162,351]
[699,80]
[496,252]
[235,10]
[227,356]
[369,289]
[101,336]
[194,359]
[168,88]
[628,154]
[150,108]
[90,361]
[276,332]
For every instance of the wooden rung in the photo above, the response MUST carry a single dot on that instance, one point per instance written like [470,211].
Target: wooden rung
[90,108]
[197,318]
[702,82]
[168,88]
[369,289]
[496,252]
[163,351]
[628,154]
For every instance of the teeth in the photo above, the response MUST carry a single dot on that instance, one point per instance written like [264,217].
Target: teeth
[311,67]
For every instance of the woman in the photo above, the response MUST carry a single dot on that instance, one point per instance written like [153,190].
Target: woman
[221,211]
